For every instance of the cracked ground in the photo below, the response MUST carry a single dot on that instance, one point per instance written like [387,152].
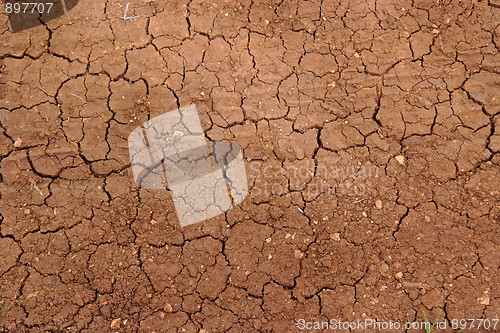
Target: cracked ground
[371,136]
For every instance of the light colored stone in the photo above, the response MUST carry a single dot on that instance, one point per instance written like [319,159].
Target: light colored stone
[116,323]
[485,300]
[299,254]
[400,159]
[18,143]
[335,236]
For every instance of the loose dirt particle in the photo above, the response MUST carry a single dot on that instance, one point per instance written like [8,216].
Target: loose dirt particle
[299,254]
[116,323]
[378,204]
[485,300]
[335,236]
[400,159]
[18,143]
[168,308]
[399,275]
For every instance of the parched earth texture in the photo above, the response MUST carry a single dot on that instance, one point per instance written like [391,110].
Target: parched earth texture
[371,136]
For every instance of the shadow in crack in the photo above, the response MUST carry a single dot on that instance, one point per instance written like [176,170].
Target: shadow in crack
[24,14]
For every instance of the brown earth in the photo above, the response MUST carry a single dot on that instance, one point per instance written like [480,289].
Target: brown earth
[372,137]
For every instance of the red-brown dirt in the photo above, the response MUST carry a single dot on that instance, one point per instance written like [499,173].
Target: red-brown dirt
[371,133]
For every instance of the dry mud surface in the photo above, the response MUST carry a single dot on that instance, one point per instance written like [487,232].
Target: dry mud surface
[371,133]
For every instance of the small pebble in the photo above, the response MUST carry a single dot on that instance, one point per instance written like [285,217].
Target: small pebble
[115,324]
[400,159]
[178,134]
[364,214]
[299,254]
[378,204]
[168,308]
[335,236]
[399,275]
[485,300]
[18,143]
